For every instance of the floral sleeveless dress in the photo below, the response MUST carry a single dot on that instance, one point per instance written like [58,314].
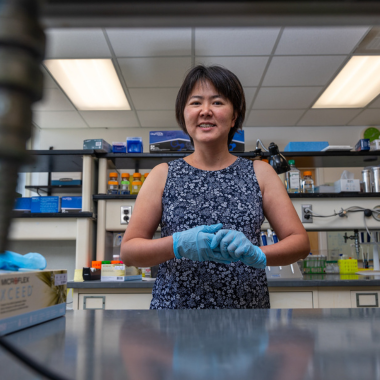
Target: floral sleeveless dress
[194,197]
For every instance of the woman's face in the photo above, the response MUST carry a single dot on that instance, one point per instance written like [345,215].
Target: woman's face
[208,115]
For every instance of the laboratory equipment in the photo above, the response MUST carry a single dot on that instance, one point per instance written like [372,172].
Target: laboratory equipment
[366,178]
[376,179]
[293,179]
[307,185]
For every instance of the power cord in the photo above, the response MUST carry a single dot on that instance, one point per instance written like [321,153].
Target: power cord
[375,212]
[28,361]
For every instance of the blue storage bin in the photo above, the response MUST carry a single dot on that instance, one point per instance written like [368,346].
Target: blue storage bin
[306,146]
[134,145]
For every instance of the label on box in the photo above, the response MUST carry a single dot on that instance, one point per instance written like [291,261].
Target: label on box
[60,279]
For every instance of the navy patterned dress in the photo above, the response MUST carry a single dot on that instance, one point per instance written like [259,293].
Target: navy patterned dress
[194,197]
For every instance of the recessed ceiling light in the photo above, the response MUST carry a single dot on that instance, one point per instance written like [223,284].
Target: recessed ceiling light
[355,86]
[91,84]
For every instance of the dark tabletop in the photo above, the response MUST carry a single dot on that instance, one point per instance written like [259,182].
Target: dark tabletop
[204,344]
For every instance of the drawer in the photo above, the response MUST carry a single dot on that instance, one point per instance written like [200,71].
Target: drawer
[291,300]
[114,301]
[364,299]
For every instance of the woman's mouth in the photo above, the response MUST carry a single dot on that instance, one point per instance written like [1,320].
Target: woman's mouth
[206,126]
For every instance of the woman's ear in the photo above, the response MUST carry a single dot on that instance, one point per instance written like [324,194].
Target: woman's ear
[234,119]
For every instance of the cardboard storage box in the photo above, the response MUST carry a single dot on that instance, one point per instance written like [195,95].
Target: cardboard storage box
[347,185]
[71,204]
[46,204]
[305,146]
[99,145]
[29,298]
[179,141]
[23,204]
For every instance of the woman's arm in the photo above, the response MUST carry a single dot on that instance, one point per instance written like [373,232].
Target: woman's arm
[280,213]
[137,248]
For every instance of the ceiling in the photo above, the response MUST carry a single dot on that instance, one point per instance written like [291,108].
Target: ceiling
[283,72]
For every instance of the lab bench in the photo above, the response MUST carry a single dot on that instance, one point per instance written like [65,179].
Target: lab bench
[310,292]
[203,344]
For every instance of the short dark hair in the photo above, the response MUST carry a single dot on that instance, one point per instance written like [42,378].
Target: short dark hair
[224,81]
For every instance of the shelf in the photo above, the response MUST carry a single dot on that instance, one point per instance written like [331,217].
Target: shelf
[303,159]
[21,214]
[149,160]
[106,196]
[335,195]
[44,161]
[333,159]
[75,189]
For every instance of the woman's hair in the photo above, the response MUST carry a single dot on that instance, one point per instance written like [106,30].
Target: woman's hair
[225,82]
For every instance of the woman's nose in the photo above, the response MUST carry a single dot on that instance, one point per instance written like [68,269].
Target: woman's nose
[206,110]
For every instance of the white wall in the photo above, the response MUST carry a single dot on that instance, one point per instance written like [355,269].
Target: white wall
[73,138]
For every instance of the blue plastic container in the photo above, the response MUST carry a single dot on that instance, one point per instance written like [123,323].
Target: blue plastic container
[134,145]
[306,146]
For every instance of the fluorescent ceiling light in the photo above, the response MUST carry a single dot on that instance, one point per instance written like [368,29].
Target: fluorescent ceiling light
[91,84]
[355,86]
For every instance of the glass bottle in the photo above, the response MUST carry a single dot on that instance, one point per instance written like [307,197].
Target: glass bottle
[293,178]
[307,183]
[113,188]
[136,183]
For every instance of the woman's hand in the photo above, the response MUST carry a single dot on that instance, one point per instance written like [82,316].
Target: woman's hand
[234,246]
[194,244]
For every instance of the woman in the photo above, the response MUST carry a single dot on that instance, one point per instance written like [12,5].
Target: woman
[211,205]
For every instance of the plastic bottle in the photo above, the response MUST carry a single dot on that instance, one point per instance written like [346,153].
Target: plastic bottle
[124,187]
[136,183]
[275,238]
[113,184]
[263,238]
[293,183]
[307,183]
[269,236]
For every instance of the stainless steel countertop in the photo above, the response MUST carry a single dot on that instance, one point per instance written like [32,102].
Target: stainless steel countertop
[278,344]
[310,280]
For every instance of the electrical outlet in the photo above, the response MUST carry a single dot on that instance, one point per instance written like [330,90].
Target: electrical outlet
[306,217]
[125,214]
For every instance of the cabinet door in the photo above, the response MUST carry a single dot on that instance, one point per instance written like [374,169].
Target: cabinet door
[365,298]
[291,300]
[115,301]
[334,298]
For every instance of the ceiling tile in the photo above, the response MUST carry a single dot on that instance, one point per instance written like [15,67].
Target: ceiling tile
[154,72]
[249,93]
[369,117]
[249,70]
[235,41]
[76,43]
[110,119]
[49,82]
[63,119]
[153,98]
[302,70]
[152,42]
[375,103]
[53,100]
[328,117]
[157,119]
[273,118]
[278,98]
[320,40]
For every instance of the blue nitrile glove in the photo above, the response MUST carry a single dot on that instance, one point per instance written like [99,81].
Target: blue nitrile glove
[234,245]
[13,261]
[194,244]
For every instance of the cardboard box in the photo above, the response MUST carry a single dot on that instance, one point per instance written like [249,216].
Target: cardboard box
[324,189]
[71,204]
[347,185]
[23,204]
[119,147]
[66,179]
[99,145]
[29,298]
[46,204]
[362,144]
[119,272]
[179,141]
